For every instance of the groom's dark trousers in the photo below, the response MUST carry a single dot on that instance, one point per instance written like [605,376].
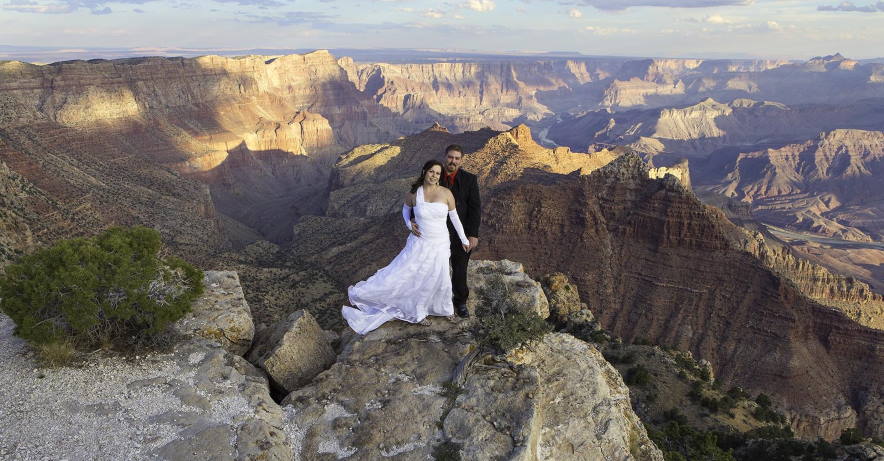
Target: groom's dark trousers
[465,189]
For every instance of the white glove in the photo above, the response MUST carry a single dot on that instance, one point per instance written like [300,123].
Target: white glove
[455,221]
[406,214]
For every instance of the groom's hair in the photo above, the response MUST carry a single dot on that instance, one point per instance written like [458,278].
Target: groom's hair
[454,147]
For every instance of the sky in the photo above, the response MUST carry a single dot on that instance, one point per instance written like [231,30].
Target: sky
[791,29]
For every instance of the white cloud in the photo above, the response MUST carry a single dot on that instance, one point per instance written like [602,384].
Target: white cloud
[772,26]
[602,31]
[850,6]
[435,14]
[623,4]
[575,13]
[480,5]
[717,19]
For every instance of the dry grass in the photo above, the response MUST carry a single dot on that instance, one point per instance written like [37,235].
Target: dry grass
[56,354]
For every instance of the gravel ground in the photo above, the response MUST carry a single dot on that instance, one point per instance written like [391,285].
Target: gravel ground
[111,408]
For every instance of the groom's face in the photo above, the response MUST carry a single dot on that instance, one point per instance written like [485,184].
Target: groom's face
[453,158]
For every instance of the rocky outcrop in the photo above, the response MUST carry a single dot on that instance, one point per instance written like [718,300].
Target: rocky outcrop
[504,286]
[650,260]
[847,294]
[581,389]
[294,351]
[371,180]
[681,171]
[407,390]
[193,400]
[564,300]
[221,314]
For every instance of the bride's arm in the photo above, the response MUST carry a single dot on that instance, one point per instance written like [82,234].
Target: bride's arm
[455,220]
[407,209]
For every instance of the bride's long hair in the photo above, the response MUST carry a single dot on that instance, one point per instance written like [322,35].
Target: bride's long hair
[427,166]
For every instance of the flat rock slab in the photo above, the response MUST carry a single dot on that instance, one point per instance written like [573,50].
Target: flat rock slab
[383,397]
[221,314]
[196,402]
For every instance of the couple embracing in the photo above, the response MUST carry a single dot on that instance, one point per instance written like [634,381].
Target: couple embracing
[442,212]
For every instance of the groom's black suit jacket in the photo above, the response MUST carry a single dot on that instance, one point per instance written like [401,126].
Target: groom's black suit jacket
[466,197]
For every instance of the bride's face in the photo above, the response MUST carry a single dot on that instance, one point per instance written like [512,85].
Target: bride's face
[433,175]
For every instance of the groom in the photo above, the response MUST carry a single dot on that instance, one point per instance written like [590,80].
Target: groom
[465,188]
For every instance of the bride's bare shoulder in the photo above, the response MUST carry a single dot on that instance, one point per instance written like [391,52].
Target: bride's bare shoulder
[449,198]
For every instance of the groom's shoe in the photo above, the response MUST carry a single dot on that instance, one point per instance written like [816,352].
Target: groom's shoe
[461,310]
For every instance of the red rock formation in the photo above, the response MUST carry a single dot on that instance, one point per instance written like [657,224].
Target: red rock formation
[75,183]
[653,262]
[829,185]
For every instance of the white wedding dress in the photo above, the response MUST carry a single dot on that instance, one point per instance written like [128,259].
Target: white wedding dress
[416,283]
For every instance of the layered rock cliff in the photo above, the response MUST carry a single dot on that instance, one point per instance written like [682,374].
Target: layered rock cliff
[370,180]
[15,234]
[651,261]
[655,263]
[828,185]
[261,131]
[64,183]
[709,125]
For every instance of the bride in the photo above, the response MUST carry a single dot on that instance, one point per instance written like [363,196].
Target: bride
[417,282]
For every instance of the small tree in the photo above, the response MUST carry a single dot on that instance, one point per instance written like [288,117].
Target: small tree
[89,290]
[851,436]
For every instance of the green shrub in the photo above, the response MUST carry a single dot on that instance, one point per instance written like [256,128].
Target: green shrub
[681,442]
[704,374]
[763,401]
[851,436]
[673,414]
[737,393]
[89,290]
[768,415]
[506,332]
[637,375]
[710,403]
[696,392]
[614,358]
[447,451]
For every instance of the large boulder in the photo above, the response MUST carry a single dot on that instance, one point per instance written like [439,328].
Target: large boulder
[383,397]
[564,300]
[222,314]
[196,401]
[504,286]
[294,351]
[414,392]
